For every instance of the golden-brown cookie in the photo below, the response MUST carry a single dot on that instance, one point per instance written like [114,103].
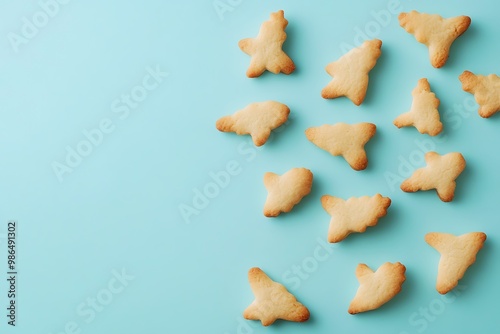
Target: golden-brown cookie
[486,91]
[457,254]
[350,72]
[272,301]
[345,140]
[435,31]
[266,49]
[353,215]
[287,190]
[377,288]
[440,174]
[256,119]
[423,114]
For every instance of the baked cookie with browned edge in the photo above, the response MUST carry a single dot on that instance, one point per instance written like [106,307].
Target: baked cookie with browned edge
[257,119]
[435,31]
[345,140]
[272,301]
[377,288]
[457,254]
[350,72]
[486,91]
[423,115]
[440,174]
[266,49]
[287,190]
[354,214]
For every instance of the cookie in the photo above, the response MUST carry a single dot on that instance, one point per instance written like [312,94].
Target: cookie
[353,215]
[457,254]
[350,72]
[440,174]
[423,114]
[345,140]
[486,91]
[377,288]
[272,301]
[266,49]
[287,190]
[256,119]
[434,31]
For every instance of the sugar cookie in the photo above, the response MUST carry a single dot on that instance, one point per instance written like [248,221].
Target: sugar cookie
[266,49]
[353,215]
[435,31]
[486,91]
[345,140]
[272,301]
[440,174]
[423,114]
[457,254]
[350,72]
[377,288]
[256,119]
[287,190]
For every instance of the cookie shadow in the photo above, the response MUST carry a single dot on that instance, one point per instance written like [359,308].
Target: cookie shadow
[376,76]
[459,48]
[276,135]
[450,128]
[495,118]
[448,132]
[371,146]
[422,194]
[484,260]
[290,45]
[408,292]
[283,325]
[462,181]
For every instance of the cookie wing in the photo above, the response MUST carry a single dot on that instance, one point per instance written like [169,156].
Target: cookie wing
[272,301]
[363,273]
[457,254]
[377,288]
[247,45]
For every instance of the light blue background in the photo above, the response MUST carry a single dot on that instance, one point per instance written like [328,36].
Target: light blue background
[119,209]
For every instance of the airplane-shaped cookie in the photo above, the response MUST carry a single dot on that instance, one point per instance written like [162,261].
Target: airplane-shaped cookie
[272,301]
[266,49]
[440,174]
[377,288]
[345,140]
[457,254]
[257,119]
[486,91]
[354,214]
[435,31]
[287,190]
[424,114]
[350,72]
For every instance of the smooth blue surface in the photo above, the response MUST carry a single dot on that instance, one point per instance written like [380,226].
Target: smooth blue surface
[119,208]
